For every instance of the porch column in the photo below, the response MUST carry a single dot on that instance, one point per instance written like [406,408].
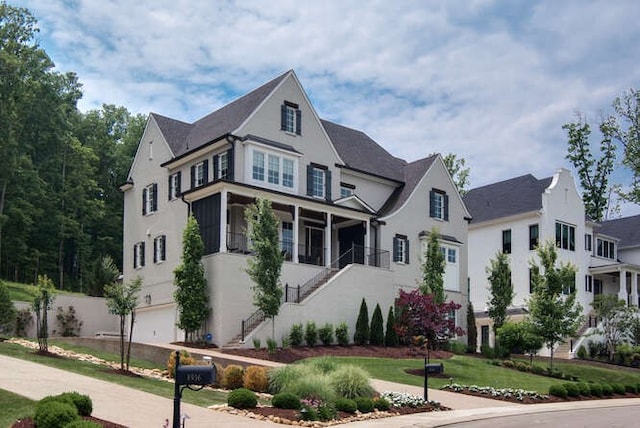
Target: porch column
[327,241]
[296,234]
[223,221]
[622,292]
[367,243]
[634,289]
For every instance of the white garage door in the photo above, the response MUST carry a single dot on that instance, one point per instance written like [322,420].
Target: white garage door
[156,325]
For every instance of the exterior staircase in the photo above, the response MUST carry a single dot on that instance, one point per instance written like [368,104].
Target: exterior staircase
[567,349]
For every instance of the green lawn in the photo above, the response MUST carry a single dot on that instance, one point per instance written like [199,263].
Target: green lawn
[60,342]
[26,292]
[206,397]
[14,407]
[477,371]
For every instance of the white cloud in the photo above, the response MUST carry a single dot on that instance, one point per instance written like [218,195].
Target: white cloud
[492,81]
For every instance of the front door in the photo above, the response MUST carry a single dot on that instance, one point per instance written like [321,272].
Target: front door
[351,238]
[314,246]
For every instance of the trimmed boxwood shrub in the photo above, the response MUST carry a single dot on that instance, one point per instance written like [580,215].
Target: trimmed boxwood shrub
[582,352]
[585,389]
[572,389]
[364,404]
[607,390]
[523,367]
[54,414]
[326,334]
[346,405]
[233,376]
[381,404]
[310,333]
[342,334]
[82,402]
[558,390]
[631,388]
[537,370]
[618,388]
[286,400]
[242,398]
[596,389]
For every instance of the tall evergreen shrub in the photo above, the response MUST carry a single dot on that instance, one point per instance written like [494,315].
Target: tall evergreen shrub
[361,335]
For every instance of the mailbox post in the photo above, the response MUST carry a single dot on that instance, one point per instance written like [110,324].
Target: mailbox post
[185,377]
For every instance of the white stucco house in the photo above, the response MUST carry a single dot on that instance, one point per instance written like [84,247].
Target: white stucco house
[353,218]
[514,215]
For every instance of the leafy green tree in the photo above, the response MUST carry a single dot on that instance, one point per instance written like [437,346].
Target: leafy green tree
[553,311]
[390,335]
[361,335]
[122,300]
[7,311]
[593,173]
[266,264]
[376,332]
[500,289]
[433,269]
[625,125]
[41,305]
[472,329]
[519,338]
[616,320]
[191,283]
[457,171]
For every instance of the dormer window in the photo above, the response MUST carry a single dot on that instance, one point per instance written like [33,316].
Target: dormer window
[290,118]
[346,190]
[605,249]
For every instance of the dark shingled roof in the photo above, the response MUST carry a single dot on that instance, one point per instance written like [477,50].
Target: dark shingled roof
[626,229]
[358,151]
[506,198]
[183,137]
[412,173]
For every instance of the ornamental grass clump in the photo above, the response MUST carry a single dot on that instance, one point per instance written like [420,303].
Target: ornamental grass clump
[280,377]
[350,382]
[323,365]
[312,386]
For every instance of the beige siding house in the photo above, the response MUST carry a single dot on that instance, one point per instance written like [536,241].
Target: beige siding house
[353,218]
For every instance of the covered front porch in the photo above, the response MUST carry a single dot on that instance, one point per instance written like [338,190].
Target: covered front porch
[619,279]
[310,232]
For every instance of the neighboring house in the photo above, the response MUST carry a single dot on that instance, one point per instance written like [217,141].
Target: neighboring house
[353,218]
[513,216]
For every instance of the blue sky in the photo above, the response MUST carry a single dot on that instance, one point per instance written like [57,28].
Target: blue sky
[491,81]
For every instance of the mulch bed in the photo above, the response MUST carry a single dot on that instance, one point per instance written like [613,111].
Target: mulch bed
[28,423]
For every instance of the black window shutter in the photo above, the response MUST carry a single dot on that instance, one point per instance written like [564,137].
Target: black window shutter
[327,182]
[230,162]
[155,250]
[309,180]
[432,207]
[179,184]
[154,200]
[396,256]
[142,254]
[169,187]
[205,171]
[216,167]
[193,176]
[135,256]
[298,122]
[283,117]
[144,201]
[406,251]
[446,207]
[164,247]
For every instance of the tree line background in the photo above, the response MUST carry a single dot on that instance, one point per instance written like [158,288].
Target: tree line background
[60,206]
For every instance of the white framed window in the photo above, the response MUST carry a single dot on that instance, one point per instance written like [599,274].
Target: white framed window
[159,249]
[317,182]
[288,168]
[346,190]
[605,248]
[150,199]
[401,249]
[138,255]
[273,173]
[258,166]
[174,186]
[199,174]
[438,205]
[223,165]
[588,246]
[291,118]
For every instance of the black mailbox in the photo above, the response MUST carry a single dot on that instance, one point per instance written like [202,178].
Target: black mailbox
[196,375]
[434,368]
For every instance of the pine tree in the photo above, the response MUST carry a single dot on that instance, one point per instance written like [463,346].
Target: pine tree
[377,332]
[191,292]
[361,335]
[390,336]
